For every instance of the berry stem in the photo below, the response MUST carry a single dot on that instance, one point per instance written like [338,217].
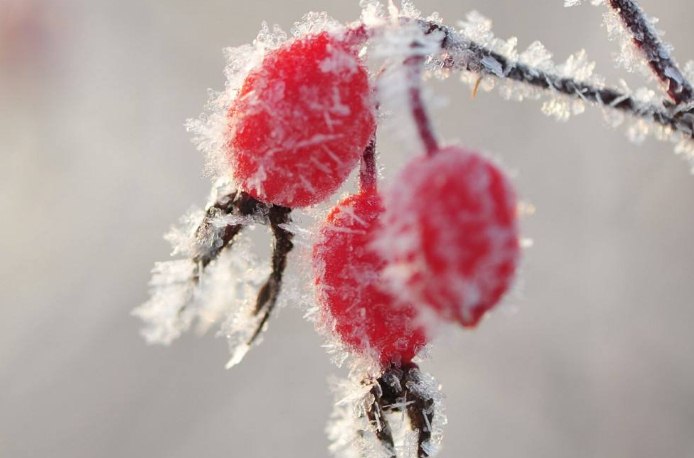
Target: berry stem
[367,171]
[413,67]
[646,39]
[269,293]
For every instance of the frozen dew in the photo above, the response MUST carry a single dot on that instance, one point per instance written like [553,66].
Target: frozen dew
[537,56]
[229,294]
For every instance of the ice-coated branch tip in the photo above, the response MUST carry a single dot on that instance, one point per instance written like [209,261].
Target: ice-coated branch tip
[655,52]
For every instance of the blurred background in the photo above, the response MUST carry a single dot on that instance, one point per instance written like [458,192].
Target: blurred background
[593,356]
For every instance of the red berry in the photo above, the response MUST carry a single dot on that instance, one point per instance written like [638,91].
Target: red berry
[450,234]
[301,121]
[348,271]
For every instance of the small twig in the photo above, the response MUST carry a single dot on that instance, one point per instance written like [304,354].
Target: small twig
[460,53]
[413,66]
[234,203]
[268,294]
[654,51]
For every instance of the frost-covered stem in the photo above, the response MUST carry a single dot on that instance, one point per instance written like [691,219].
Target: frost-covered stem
[268,294]
[460,53]
[654,51]
[367,170]
[394,391]
[413,67]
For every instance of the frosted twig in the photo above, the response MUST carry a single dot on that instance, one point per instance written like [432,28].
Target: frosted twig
[654,50]
[461,53]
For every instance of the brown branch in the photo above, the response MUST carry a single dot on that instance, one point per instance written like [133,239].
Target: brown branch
[460,53]
[654,50]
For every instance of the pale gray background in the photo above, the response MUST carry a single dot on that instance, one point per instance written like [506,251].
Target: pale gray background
[597,359]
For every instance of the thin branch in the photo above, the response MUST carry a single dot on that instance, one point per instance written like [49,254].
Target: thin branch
[413,66]
[654,50]
[460,53]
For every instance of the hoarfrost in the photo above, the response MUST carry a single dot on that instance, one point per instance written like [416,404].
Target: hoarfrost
[171,289]
[392,47]
[570,3]
[629,57]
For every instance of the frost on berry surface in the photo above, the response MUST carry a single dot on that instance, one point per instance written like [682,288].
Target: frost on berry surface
[354,304]
[294,117]
[353,435]
[450,234]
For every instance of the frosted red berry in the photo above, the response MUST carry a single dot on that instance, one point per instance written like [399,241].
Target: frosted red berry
[300,121]
[348,269]
[450,234]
